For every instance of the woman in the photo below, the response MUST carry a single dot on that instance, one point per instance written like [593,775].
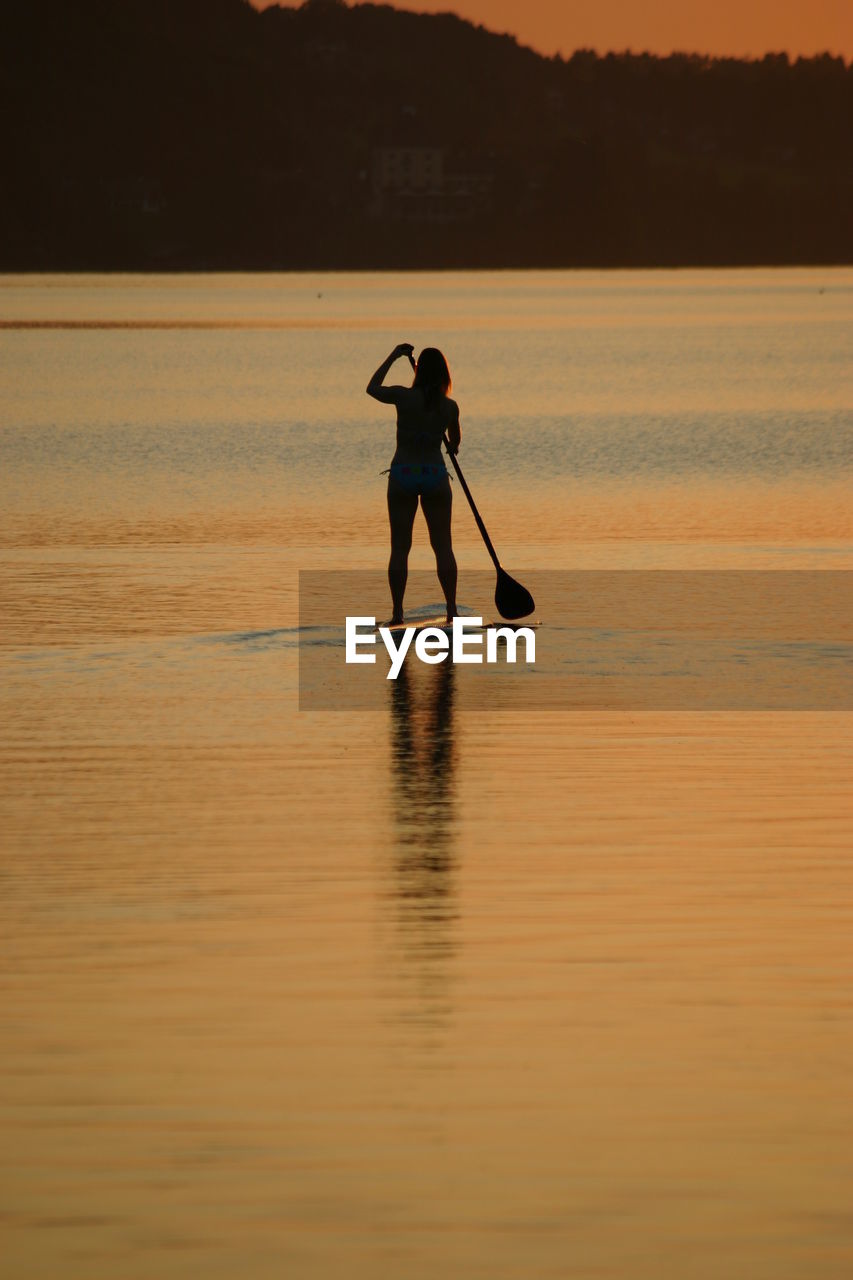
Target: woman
[424,413]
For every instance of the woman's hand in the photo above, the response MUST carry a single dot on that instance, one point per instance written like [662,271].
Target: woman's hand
[403,349]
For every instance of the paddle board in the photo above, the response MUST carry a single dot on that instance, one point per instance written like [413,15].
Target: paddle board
[440,623]
[420,624]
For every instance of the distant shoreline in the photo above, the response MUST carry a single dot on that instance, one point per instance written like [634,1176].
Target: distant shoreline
[31,272]
[220,138]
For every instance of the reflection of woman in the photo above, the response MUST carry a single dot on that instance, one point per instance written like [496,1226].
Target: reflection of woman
[423,754]
[423,759]
[424,413]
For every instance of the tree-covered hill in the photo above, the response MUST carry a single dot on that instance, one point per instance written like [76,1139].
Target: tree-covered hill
[172,134]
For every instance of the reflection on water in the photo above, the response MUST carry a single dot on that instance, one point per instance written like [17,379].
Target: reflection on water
[423,764]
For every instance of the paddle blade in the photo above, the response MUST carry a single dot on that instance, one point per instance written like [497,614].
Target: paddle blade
[512,600]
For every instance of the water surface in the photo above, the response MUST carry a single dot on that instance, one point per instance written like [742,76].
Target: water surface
[415,990]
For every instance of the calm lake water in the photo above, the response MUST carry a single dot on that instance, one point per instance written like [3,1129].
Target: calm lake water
[417,990]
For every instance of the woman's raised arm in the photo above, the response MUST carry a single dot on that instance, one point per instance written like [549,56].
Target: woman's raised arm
[387,395]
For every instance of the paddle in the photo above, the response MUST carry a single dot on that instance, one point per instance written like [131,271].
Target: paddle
[512,600]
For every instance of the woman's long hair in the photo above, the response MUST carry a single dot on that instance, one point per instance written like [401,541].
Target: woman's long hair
[432,376]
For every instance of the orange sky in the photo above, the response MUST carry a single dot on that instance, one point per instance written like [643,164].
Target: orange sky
[743,28]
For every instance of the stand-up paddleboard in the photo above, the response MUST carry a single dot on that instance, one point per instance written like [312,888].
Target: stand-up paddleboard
[440,623]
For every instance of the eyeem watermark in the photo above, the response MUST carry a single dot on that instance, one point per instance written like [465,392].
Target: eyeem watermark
[434,645]
[605,640]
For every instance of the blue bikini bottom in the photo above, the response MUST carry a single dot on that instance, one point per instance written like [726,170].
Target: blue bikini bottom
[418,477]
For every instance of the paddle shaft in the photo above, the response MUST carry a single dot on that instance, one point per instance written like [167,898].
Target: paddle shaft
[472,504]
[467,492]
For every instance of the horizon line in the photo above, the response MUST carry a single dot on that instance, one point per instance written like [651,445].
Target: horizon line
[557,53]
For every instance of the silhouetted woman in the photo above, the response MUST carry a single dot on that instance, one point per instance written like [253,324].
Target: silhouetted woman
[424,413]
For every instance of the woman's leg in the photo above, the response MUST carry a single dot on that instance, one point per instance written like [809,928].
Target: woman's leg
[437,507]
[402,507]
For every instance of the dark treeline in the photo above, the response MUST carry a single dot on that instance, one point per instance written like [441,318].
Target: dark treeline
[186,134]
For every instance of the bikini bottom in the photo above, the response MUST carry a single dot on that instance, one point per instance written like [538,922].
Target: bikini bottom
[418,477]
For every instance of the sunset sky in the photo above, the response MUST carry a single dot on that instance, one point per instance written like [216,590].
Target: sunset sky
[743,28]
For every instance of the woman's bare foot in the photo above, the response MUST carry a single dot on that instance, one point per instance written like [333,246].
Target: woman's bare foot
[452,612]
